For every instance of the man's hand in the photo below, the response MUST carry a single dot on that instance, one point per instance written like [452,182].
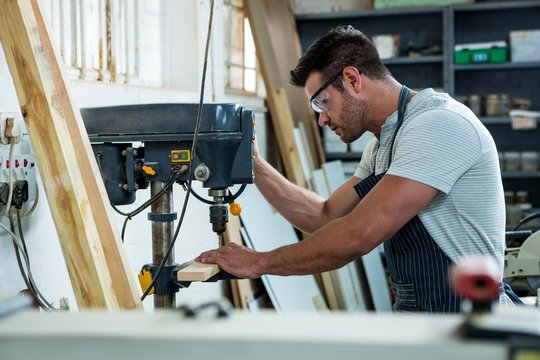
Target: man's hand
[237,260]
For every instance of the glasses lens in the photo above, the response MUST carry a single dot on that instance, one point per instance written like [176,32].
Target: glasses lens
[320,103]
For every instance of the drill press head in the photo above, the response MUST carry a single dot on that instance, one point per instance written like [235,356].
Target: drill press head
[223,156]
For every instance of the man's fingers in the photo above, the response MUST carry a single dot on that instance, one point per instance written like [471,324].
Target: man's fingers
[211,257]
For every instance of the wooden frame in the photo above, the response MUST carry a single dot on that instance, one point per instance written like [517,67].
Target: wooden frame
[95,259]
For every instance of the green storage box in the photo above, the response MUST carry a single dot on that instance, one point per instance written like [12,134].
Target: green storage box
[385,4]
[480,53]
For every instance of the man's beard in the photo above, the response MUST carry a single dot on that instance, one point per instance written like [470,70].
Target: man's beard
[353,118]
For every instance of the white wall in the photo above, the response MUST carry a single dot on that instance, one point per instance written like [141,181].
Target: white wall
[180,68]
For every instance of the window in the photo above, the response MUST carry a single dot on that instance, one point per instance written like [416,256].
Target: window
[98,39]
[240,56]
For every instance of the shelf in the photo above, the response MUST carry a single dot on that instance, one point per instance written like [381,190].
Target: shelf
[495,120]
[401,12]
[343,156]
[505,66]
[414,60]
[448,26]
[521,175]
[496,6]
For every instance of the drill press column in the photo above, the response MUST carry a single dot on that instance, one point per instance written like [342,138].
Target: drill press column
[162,218]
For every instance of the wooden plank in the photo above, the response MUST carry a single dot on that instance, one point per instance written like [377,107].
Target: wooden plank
[305,140]
[95,259]
[267,230]
[328,285]
[318,181]
[245,291]
[372,262]
[285,44]
[304,161]
[232,235]
[197,271]
[278,49]
[341,286]
[283,126]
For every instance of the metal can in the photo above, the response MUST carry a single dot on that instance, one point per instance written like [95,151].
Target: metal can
[475,104]
[504,106]
[493,105]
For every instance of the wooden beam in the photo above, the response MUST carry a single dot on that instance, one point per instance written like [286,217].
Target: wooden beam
[278,50]
[245,292]
[197,271]
[284,128]
[94,255]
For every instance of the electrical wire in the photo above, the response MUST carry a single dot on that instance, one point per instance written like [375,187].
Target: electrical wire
[28,273]
[10,179]
[227,199]
[34,205]
[21,268]
[98,156]
[170,182]
[193,151]
[30,211]
[129,215]
[526,219]
[43,302]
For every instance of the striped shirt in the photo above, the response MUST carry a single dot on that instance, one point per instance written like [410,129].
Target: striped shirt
[443,144]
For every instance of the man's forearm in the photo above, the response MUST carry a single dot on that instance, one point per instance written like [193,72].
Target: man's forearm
[331,247]
[301,207]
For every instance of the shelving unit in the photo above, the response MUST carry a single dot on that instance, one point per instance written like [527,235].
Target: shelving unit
[497,20]
[421,27]
[517,80]
[448,26]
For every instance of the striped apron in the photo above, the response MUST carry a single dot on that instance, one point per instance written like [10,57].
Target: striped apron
[418,267]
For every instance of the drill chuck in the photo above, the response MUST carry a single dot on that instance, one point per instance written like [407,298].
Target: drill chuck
[219,217]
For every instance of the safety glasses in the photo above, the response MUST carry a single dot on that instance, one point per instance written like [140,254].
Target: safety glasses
[319,100]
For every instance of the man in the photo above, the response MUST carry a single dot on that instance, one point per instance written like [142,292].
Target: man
[428,187]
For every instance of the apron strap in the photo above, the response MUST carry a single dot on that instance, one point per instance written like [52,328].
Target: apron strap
[402,105]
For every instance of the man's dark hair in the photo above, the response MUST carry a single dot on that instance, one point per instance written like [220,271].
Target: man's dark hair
[341,47]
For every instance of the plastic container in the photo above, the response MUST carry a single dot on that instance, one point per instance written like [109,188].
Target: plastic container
[493,105]
[512,161]
[522,197]
[529,161]
[504,105]
[475,104]
[492,52]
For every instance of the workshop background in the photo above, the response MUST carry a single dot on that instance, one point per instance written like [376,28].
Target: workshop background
[486,54]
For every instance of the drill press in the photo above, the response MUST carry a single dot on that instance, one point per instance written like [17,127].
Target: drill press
[223,158]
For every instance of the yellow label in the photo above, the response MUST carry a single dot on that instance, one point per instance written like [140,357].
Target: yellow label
[180,156]
[145,279]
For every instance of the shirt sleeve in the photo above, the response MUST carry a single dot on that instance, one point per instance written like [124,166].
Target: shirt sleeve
[366,167]
[436,148]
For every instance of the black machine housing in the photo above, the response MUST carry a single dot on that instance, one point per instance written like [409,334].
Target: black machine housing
[224,145]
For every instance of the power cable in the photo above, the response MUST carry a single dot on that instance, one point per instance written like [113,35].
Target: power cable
[34,289]
[20,246]
[526,219]
[129,215]
[193,151]
[10,179]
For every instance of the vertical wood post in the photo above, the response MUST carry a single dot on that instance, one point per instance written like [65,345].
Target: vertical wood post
[278,49]
[99,273]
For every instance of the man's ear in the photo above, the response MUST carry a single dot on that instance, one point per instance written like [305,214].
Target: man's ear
[352,78]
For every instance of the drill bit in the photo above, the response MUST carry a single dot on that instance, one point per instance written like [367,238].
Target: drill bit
[220,239]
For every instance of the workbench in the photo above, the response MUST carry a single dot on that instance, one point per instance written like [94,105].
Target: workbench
[129,335]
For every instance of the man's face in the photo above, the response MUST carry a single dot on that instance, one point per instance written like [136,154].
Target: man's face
[352,118]
[345,114]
